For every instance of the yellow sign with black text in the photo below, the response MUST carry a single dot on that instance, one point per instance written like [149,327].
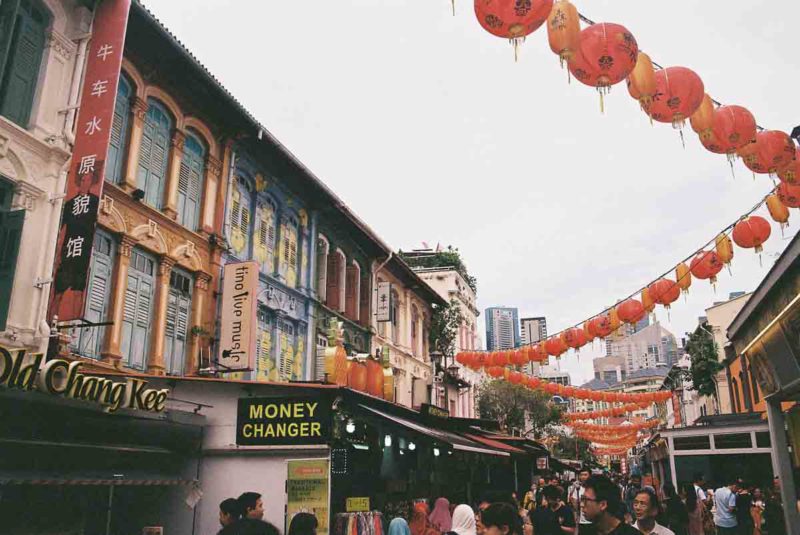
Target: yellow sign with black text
[357,505]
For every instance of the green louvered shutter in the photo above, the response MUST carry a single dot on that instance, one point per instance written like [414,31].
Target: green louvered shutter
[176,333]
[154,155]
[22,69]
[119,133]
[10,236]
[138,310]
[8,14]
[90,340]
[190,183]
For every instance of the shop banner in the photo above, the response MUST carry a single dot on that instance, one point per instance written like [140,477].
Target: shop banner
[676,408]
[283,421]
[384,307]
[307,492]
[87,168]
[238,325]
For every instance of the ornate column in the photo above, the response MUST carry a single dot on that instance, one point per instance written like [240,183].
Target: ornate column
[173,175]
[201,283]
[208,209]
[155,363]
[111,352]
[138,114]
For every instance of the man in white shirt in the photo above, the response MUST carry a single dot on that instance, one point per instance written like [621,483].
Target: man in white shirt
[646,508]
[575,494]
[725,509]
[699,481]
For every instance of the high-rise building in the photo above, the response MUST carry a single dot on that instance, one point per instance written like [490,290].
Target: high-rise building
[554,375]
[502,328]
[650,347]
[532,330]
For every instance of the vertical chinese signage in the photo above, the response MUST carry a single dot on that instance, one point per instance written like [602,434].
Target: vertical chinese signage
[384,306]
[307,492]
[87,168]
[238,326]
[676,408]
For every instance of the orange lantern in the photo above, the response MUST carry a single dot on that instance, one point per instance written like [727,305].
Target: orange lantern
[606,56]
[791,173]
[724,248]
[574,338]
[550,388]
[702,120]
[495,371]
[512,19]
[374,378]
[642,80]
[516,378]
[664,292]
[555,346]
[771,151]
[647,300]
[733,127]
[706,265]
[789,195]
[678,95]
[568,391]
[751,232]
[357,376]
[539,352]
[683,277]
[564,30]
[631,310]
[778,210]
[613,319]
[519,358]
[602,326]
[483,359]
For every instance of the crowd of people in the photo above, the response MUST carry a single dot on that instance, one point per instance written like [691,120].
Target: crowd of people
[590,505]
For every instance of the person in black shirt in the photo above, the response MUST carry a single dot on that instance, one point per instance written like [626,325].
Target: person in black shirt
[601,504]
[252,523]
[556,518]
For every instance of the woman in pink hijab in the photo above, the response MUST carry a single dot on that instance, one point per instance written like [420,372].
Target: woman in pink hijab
[440,517]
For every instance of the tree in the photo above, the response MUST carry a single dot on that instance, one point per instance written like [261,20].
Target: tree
[445,322]
[572,447]
[515,407]
[703,352]
[449,257]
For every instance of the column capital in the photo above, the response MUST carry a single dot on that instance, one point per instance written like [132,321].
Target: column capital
[126,245]
[202,280]
[165,265]
[178,139]
[214,166]
[139,108]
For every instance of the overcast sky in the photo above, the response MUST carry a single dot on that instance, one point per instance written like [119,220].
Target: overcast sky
[424,124]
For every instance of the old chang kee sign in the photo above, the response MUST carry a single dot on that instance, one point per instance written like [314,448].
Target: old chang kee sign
[63,378]
[282,421]
[238,327]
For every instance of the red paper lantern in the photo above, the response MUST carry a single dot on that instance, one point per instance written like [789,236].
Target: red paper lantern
[679,92]
[706,265]
[499,358]
[789,195]
[516,378]
[574,337]
[602,326]
[555,346]
[772,150]
[569,391]
[512,19]
[664,292]
[751,232]
[630,310]
[733,127]
[495,371]
[538,353]
[518,358]
[791,173]
[551,388]
[606,55]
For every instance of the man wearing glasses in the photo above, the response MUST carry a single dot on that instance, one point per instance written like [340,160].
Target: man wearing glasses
[602,506]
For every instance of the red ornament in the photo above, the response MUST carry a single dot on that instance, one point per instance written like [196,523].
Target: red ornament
[538,353]
[791,173]
[574,338]
[498,358]
[664,292]
[569,391]
[602,326]
[518,358]
[751,232]
[516,378]
[555,346]
[631,310]
[606,56]
[512,19]
[495,371]
[706,265]
[773,150]
[679,92]
[789,195]
[733,127]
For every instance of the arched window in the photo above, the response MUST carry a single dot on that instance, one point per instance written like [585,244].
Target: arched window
[334,293]
[414,330]
[352,290]
[735,387]
[137,314]
[190,181]
[118,144]
[240,217]
[154,153]
[265,235]
[288,251]
[323,249]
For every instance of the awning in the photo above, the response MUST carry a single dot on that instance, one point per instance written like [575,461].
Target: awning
[494,444]
[459,443]
[100,482]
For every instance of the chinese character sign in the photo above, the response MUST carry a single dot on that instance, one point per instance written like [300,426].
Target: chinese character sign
[384,305]
[86,172]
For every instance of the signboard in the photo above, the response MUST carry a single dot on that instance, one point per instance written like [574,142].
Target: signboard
[384,305]
[87,167]
[357,505]
[432,411]
[62,378]
[541,463]
[239,328]
[307,492]
[282,421]
[676,408]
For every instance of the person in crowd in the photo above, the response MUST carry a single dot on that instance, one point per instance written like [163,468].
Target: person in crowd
[575,493]
[675,516]
[501,519]
[695,509]
[529,500]
[252,522]
[463,521]
[601,504]
[540,492]
[555,519]
[757,512]
[398,526]
[229,514]
[633,488]
[699,482]
[440,517]
[419,524]
[303,524]
[744,500]
[725,508]
[646,509]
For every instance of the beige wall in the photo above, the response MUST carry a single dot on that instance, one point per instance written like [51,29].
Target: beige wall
[719,319]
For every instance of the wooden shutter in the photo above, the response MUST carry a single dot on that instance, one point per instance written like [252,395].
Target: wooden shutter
[287,350]
[332,287]
[265,362]
[190,180]
[138,311]
[322,270]
[350,297]
[265,236]
[153,155]
[24,58]
[119,133]
[11,224]
[179,306]
[8,14]
[90,340]
[363,313]
[236,207]
[291,255]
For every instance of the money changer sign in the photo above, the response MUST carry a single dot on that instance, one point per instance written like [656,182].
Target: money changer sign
[282,421]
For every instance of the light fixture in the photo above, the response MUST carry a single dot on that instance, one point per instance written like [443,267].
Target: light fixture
[361,446]
[402,452]
[435,452]
[450,452]
[350,427]
[387,441]
[412,446]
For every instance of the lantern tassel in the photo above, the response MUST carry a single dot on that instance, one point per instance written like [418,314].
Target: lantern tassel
[733,173]
[760,262]
[454,7]
[683,141]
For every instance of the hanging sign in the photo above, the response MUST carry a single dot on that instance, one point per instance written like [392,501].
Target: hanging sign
[357,505]
[384,305]
[307,492]
[282,421]
[541,463]
[238,327]
[87,168]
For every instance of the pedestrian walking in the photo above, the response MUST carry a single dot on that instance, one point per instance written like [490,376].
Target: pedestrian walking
[601,505]
[773,514]
[501,519]
[744,501]
[757,512]
[440,517]
[633,488]
[463,521]
[695,510]
[398,526]
[646,509]
[303,524]
[675,516]
[229,514]
[724,509]
[575,493]
[699,483]
[555,519]
[419,524]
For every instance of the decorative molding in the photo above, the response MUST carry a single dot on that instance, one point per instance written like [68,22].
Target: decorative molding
[165,266]
[25,196]
[110,216]
[149,235]
[214,166]
[61,45]
[125,246]
[139,108]
[178,140]
[202,281]
[187,255]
